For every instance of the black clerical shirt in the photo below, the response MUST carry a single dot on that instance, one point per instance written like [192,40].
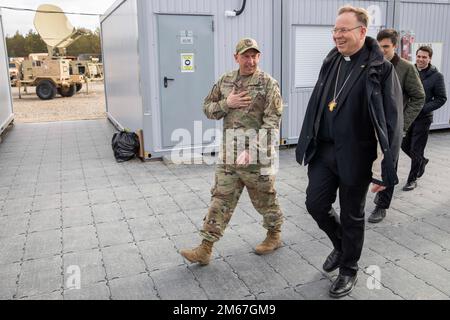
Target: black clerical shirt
[347,65]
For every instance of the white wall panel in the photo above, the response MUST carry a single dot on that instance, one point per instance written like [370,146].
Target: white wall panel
[6,108]
[121,64]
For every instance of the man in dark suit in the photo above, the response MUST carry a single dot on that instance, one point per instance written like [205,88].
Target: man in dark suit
[417,137]
[350,137]
[413,100]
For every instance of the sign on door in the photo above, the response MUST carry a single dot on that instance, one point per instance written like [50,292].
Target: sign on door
[187,62]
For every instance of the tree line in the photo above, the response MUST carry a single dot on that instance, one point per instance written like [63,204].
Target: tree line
[22,45]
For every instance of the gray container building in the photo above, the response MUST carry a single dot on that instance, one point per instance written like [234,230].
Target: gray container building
[6,107]
[161,57]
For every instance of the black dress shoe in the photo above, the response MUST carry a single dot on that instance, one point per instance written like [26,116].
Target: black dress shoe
[342,286]
[422,167]
[377,215]
[332,262]
[410,186]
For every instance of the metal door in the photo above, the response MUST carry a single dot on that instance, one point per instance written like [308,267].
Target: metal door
[186,67]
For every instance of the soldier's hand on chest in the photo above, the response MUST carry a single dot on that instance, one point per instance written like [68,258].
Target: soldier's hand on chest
[238,100]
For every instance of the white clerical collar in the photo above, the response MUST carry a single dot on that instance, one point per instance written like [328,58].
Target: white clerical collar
[347,58]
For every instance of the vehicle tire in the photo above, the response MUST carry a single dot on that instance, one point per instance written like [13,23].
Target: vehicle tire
[79,86]
[46,90]
[67,91]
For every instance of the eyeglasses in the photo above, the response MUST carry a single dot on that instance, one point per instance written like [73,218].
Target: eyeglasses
[343,30]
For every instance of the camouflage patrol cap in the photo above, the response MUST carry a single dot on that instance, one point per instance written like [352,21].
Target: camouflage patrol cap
[247,44]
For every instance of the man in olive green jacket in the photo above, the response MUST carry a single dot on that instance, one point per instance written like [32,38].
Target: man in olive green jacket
[413,98]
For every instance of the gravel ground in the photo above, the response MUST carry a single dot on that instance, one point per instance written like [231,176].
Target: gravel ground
[81,106]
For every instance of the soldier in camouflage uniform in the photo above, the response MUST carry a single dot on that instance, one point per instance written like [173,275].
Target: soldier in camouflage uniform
[247,100]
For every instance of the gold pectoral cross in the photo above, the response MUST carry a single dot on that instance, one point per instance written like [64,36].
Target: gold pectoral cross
[332,105]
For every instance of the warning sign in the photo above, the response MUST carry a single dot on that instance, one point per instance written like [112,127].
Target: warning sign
[187,62]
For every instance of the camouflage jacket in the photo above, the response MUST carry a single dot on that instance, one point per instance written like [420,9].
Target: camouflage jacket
[264,112]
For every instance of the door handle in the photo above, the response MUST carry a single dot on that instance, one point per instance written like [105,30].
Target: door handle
[166,81]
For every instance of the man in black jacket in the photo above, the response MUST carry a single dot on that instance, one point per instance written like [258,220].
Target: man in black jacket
[416,139]
[413,101]
[350,137]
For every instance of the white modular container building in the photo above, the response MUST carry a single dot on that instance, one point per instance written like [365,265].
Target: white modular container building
[430,22]
[6,107]
[307,39]
[162,57]
[306,26]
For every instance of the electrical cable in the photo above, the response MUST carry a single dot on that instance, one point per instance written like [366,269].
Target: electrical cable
[44,11]
[240,11]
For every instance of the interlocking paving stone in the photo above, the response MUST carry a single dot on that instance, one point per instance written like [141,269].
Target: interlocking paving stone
[43,244]
[17,206]
[407,285]
[317,290]
[132,261]
[39,277]
[146,228]
[8,279]
[109,212]
[75,199]
[45,220]
[113,233]
[253,270]
[152,190]
[138,287]
[47,202]
[225,285]
[363,292]
[54,296]
[13,225]
[142,214]
[431,273]
[79,238]
[295,271]
[160,254]
[127,193]
[285,294]
[102,196]
[176,223]
[163,205]
[232,244]
[177,284]
[98,291]
[77,216]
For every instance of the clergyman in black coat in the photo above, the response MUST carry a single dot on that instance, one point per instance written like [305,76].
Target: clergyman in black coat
[350,138]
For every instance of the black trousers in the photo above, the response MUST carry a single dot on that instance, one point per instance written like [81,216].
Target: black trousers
[383,199]
[414,145]
[347,235]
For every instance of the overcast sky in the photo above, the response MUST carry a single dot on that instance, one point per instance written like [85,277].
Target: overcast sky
[23,21]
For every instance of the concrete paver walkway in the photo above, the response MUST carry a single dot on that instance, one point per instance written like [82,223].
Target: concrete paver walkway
[67,206]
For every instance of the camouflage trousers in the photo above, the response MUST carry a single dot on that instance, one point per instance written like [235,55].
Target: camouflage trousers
[229,184]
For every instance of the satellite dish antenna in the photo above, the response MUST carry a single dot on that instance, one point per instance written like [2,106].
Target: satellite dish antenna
[55,29]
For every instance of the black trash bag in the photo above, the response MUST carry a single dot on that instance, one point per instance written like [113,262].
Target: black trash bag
[125,145]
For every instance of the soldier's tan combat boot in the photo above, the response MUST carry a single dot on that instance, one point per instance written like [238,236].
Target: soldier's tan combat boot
[201,254]
[270,244]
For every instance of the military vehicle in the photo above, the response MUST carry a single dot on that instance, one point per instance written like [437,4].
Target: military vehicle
[91,69]
[50,76]
[13,72]
[51,73]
